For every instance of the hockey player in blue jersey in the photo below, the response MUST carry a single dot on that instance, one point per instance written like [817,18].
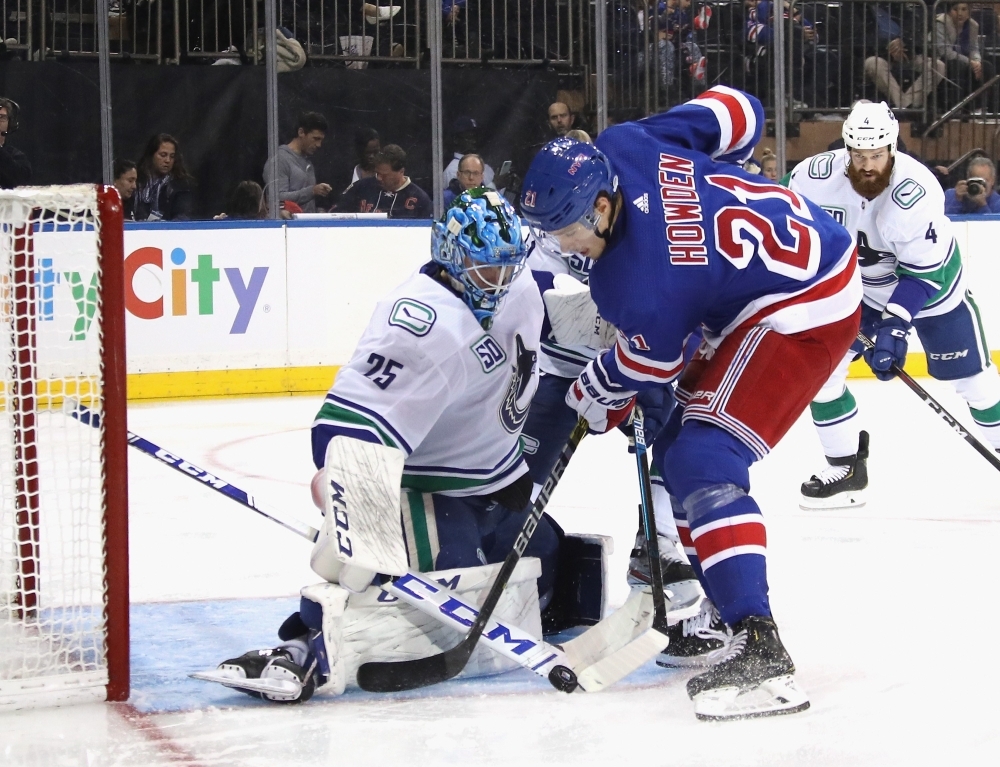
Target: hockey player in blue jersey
[682,237]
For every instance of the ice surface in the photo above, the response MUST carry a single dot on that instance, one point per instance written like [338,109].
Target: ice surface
[888,611]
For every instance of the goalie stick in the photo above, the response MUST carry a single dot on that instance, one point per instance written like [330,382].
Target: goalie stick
[937,407]
[606,652]
[395,676]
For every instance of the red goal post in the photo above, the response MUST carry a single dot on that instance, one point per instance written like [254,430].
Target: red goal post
[64,623]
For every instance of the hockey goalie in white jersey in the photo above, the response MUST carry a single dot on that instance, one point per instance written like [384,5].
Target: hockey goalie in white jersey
[913,278]
[424,425]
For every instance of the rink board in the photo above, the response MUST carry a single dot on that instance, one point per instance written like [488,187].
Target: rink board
[219,308]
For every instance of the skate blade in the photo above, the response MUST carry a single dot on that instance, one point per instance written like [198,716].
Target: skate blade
[277,689]
[680,594]
[684,594]
[679,661]
[772,697]
[851,499]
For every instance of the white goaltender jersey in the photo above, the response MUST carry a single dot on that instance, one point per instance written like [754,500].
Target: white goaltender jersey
[427,379]
[903,231]
[564,360]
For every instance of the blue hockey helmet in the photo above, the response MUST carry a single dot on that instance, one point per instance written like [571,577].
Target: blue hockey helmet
[478,242]
[563,183]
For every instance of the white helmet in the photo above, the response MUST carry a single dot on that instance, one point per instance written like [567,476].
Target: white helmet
[871,126]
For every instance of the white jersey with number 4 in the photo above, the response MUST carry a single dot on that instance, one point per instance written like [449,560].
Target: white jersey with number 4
[902,231]
[426,378]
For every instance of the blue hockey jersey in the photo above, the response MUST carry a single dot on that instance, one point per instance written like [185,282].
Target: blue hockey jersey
[700,242]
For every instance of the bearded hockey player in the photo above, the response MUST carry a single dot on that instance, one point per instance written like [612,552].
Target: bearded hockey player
[430,408]
[912,273]
[681,237]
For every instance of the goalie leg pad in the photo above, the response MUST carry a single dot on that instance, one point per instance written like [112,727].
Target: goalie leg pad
[321,609]
[373,626]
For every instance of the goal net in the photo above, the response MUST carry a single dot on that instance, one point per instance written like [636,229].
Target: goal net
[63,517]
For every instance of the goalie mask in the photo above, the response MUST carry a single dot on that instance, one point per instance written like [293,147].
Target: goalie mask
[478,242]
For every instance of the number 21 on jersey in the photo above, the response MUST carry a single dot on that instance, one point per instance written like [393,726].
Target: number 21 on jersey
[741,233]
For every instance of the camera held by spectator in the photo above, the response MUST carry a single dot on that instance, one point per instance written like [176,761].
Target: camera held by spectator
[975,194]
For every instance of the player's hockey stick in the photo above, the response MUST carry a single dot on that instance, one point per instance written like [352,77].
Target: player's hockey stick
[606,652]
[938,408]
[649,524]
[421,672]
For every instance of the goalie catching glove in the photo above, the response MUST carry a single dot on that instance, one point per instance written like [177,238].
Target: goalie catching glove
[596,398]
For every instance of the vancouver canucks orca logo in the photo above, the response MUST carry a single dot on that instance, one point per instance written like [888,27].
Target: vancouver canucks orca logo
[514,408]
[869,256]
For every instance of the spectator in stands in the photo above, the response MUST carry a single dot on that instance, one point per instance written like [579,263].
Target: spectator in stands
[15,170]
[246,202]
[956,41]
[769,165]
[677,47]
[126,177]
[974,195]
[164,188]
[291,175]
[815,72]
[580,135]
[470,175]
[561,120]
[388,191]
[465,139]
[367,145]
[897,30]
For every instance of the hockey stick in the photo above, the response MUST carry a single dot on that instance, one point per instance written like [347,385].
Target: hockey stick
[85,415]
[649,523]
[937,407]
[421,672]
[422,593]
[606,652]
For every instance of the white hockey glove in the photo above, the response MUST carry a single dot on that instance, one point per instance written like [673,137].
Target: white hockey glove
[602,403]
[362,533]
[574,317]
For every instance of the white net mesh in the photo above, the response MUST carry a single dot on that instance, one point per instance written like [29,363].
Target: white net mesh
[52,600]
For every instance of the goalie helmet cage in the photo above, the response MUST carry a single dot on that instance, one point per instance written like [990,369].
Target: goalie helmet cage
[64,630]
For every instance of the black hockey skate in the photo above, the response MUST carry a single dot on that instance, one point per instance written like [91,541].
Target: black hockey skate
[269,674]
[841,484]
[700,640]
[678,576]
[756,678]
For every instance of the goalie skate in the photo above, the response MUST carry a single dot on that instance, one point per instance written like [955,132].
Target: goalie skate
[678,576]
[840,485]
[754,679]
[269,674]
